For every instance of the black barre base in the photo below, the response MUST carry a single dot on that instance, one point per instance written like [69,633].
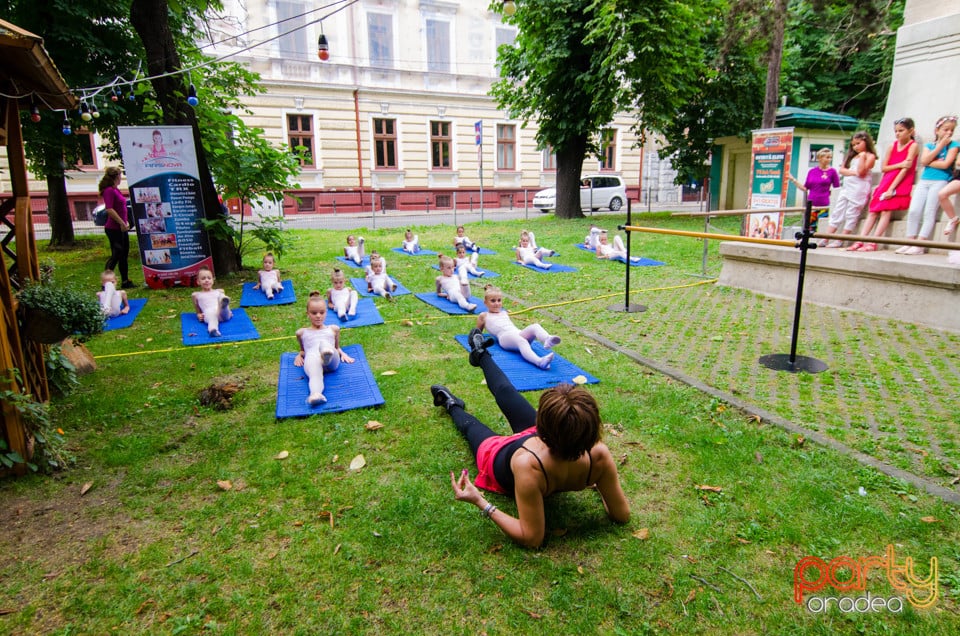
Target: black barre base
[630,309]
[782,362]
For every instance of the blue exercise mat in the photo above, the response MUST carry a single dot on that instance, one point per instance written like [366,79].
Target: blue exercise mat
[360,284]
[422,252]
[486,273]
[555,268]
[367,314]
[350,263]
[448,307]
[351,386]
[527,377]
[239,327]
[250,297]
[641,261]
[125,320]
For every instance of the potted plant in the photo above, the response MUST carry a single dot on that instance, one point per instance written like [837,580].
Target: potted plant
[49,313]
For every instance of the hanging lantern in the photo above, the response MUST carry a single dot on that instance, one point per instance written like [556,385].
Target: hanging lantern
[34,114]
[93,111]
[323,48]
[192,96]
[114,96]
[85,112]
[66,125]
[509,7]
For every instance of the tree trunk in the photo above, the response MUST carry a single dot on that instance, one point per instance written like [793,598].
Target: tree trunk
[771,98]
[150,19]
[58,211]
[569,163]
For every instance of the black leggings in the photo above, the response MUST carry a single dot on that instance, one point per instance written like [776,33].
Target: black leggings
[119,252]
[519,413]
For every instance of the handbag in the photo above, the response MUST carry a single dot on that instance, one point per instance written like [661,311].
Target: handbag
[100,217]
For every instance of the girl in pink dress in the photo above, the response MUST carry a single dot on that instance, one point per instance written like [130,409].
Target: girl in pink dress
[899,172]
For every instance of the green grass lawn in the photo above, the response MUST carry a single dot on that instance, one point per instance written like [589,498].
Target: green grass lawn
[304,545]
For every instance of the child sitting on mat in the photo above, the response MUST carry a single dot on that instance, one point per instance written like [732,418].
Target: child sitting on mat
[377,280]
[605,250]
[320,350]
[268,278]
[462,238]
[541,252]
[411,242]
[340,298]
[450,286]
[464,264]
[113,301]
[353,250]
[527,256]
[496,320]
[212,305]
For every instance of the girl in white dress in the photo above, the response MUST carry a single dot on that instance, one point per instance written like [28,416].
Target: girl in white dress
[496,320]
[411,242]
[320,350]
[113,301]
[854,188]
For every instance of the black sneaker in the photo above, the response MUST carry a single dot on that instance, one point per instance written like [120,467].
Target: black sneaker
[443,397]
[478,345]
[127,284]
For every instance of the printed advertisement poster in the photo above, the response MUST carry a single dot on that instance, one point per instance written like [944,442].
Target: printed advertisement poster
[164,184]
[771,150]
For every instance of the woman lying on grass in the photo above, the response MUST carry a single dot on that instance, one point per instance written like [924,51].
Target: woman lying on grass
[555,448]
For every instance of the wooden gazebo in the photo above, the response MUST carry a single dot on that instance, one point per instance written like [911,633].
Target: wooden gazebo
[28,78]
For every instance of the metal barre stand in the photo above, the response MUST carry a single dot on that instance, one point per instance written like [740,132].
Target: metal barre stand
[792,362]
[626,306]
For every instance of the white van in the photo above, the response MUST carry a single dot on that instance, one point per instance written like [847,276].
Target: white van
[596,191]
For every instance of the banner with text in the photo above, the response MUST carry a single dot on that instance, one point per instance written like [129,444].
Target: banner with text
[771,151]
[164,182]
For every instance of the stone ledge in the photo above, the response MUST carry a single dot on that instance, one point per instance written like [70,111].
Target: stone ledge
[922,290]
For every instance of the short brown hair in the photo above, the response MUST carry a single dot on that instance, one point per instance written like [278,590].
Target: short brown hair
[568,421]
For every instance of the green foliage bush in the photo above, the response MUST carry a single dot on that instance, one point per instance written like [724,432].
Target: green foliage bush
[78,313]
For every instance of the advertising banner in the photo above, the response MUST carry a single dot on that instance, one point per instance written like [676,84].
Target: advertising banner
[164,182]
[771,150]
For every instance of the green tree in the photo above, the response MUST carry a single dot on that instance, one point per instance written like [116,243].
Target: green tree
[152,21]
[577,62]
[90,46]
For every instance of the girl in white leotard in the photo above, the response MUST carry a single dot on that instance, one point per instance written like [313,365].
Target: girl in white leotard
[353,250]
[113,301]
[465,265]
[340,298]
[527,256]
[450,287]
[411,242]
[616,250]
[212,305]
[377,280]
[268,278]
[496,320]
[320,350]
[539,252]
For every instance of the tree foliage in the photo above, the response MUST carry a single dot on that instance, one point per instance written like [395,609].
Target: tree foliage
[89,46]
[837,57]
[575,63]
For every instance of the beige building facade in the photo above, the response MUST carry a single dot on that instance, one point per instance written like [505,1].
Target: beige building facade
[389,119]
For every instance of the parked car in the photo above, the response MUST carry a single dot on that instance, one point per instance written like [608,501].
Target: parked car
[596,191]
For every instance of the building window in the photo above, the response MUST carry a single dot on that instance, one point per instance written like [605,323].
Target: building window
[608,149]
[86,155]
[438,46]
[506,147]
[300,133]
[380,35]
[440,143]
[291,26]
[385,143]
[549,159]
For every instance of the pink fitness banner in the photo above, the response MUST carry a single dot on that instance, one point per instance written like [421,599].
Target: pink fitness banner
[164,182]
[771,150]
